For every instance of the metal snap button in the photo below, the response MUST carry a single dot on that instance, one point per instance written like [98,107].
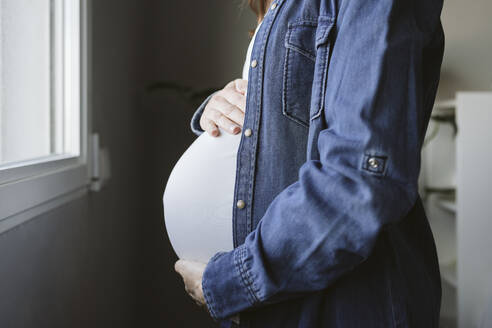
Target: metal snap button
[240,204]
[373,162]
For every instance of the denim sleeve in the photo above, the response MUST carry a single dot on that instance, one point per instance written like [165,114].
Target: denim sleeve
[326,223]
[195,119]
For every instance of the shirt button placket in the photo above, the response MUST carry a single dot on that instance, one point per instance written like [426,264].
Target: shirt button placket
[248,153]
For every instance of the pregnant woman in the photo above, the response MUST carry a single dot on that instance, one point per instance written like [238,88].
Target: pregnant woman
[320,223]
[201,228]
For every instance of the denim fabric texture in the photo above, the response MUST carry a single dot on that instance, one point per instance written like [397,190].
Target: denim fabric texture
[334,233]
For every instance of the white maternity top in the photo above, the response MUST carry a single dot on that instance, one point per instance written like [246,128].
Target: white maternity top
[199,195]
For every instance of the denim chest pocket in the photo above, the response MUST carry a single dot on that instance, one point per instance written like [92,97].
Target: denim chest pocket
[305,41]
[300,57]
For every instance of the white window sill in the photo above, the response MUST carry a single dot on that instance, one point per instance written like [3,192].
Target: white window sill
[25,199]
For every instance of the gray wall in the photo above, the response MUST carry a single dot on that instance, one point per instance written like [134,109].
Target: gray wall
[201,45]
[75,266]
[104,260]
[468,55]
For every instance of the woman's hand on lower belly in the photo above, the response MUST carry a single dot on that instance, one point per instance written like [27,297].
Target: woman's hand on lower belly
[192,273]
[226,109]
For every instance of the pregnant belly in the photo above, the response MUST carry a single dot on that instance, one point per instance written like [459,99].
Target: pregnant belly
[198,199]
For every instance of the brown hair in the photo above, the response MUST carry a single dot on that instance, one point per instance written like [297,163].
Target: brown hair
[259,7]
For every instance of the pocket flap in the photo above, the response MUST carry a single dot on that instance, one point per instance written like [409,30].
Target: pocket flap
[325,25]
[301,37]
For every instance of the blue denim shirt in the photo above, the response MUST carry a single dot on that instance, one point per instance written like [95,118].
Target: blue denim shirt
[333,233]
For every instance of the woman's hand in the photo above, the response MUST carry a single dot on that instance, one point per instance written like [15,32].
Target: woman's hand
[226,109]
[192,273]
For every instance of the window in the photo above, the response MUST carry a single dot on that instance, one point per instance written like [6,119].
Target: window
[43,105]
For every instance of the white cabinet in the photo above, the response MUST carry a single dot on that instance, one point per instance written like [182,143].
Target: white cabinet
[457,186]
[474,206]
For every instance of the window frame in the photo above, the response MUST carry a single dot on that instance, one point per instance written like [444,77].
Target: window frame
[30,188]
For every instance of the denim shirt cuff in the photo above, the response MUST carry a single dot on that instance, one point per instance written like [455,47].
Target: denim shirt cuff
[226,284]
[195,120]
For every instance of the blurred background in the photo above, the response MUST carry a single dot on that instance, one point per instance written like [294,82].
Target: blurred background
[82,239]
